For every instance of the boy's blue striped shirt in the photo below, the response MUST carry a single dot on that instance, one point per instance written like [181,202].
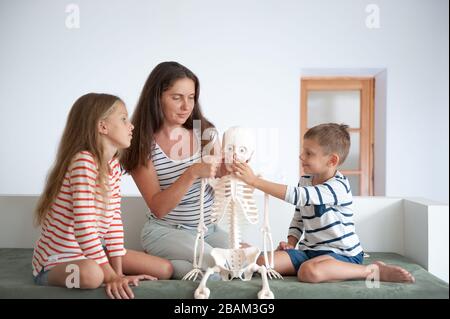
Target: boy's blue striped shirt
[323,218]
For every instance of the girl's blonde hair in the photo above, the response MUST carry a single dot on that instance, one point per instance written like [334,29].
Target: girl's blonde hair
[80,134]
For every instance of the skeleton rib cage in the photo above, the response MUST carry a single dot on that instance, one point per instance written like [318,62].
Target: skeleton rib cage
[231,194]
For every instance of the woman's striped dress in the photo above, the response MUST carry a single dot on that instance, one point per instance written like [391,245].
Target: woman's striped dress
[187,211]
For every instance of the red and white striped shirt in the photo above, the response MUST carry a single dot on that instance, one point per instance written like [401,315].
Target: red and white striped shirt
[79,222]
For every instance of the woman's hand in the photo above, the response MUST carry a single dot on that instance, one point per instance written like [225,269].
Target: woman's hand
[244,172]
[204,170]
[134,280]
[117,288]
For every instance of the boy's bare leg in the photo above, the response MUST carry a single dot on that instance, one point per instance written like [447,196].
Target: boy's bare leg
[91,275]
[139,263]
[328,269]
[282,263]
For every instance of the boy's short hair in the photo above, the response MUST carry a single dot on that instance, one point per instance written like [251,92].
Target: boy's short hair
[332,137]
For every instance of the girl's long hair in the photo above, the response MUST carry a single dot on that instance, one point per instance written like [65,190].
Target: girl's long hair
[148,116]
[80,134]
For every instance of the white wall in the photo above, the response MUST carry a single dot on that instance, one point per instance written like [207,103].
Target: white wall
[248,56]
[426,235]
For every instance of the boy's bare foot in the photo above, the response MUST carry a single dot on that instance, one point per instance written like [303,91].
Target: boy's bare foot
[393,273]
[245,245]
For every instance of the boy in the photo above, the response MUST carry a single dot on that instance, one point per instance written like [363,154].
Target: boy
[322,226]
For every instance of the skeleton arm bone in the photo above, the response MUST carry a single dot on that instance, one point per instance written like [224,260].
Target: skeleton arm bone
[267,239]
[201,228]
[267,236]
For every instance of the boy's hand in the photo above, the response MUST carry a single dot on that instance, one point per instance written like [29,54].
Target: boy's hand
[284,246]
[244,172]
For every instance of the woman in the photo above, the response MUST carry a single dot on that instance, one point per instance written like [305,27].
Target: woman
[165,162]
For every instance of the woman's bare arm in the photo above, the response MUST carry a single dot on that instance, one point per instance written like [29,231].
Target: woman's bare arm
[162,202]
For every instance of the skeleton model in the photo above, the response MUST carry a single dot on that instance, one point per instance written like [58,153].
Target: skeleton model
[234,200]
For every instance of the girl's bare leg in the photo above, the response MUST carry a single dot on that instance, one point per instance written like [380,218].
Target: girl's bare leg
[91,275]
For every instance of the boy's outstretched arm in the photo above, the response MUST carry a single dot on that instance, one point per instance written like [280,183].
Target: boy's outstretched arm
[244,172]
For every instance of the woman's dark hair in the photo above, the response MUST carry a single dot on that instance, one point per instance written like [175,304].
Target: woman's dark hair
[148,116]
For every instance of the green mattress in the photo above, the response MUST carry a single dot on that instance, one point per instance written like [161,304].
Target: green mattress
[16,281]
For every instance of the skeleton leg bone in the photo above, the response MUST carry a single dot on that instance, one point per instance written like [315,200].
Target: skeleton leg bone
[265,292]
[202,292]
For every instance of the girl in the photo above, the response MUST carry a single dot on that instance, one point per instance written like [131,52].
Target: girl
[79,210]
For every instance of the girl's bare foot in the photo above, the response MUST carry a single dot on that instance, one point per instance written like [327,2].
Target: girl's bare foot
[393,273]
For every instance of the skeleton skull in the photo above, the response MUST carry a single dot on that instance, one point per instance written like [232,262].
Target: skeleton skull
[238,144]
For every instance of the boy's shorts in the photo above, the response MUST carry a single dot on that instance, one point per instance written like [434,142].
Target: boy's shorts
[298,257]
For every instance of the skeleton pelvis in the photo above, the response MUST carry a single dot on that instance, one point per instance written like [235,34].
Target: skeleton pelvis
[234,263]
